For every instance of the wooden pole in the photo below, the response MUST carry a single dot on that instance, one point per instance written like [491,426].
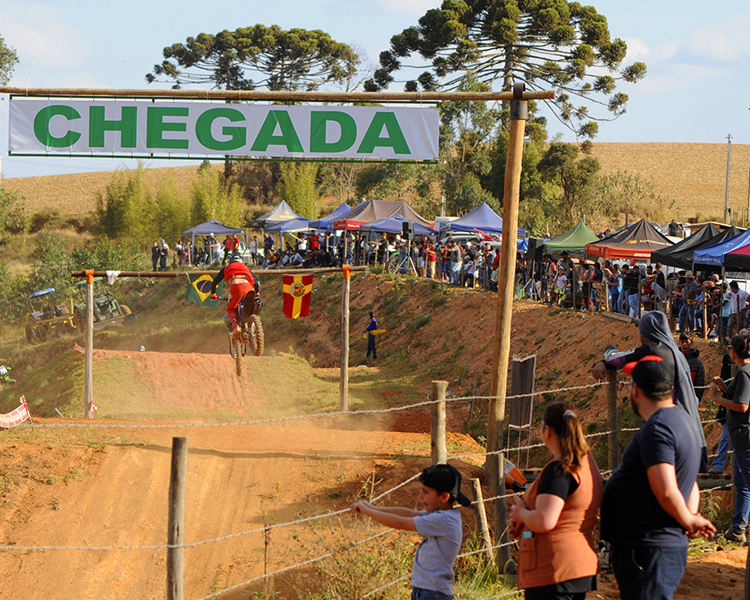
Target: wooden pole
[344,378]
[281,95]
[614,438]
[503,319]
[167,274]
[705,318]
[176,530]
[481,516]
[89,360]
[437,423]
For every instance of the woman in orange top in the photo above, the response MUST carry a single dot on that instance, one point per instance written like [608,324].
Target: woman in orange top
[555,518]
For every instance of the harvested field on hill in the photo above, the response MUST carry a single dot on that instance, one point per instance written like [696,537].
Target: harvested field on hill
[693,175]
[75,194]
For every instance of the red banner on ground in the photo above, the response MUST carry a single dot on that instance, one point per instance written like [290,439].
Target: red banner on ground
[16,417]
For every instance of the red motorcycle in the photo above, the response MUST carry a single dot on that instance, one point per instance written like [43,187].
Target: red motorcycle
[250,333]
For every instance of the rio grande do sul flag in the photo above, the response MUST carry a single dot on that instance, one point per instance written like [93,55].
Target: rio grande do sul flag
[297,292]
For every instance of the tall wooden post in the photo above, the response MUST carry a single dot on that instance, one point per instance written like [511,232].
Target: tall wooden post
[503,316]
[89,360]
[344,378]
[175,528]
[437,423]
[614,438]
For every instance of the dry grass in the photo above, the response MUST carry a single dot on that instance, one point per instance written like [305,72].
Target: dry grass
[692,175]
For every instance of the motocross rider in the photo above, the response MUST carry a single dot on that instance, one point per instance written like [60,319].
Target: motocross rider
[241,281]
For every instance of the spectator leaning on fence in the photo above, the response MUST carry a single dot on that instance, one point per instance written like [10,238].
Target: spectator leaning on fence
[651,501]
[656,339]
[555,518]
[439,524]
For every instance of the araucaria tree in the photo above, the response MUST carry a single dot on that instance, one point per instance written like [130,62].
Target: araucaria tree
[547,44]
[258,56]
[8,60]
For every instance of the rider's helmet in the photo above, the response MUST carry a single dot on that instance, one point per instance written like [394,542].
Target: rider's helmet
[236,258]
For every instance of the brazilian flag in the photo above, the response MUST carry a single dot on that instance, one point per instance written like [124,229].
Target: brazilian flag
[199,290]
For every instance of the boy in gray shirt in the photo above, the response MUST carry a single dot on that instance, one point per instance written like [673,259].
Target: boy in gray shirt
[439,524]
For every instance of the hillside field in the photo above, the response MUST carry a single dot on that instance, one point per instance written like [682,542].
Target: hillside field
[693,175]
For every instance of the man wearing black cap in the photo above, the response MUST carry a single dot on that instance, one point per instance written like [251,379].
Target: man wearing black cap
[439,524]
[650,504]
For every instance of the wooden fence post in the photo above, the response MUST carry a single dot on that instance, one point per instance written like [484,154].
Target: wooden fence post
[437,423]
[175,528]
[344,378]
[614,438]
[89,360]
[481,515]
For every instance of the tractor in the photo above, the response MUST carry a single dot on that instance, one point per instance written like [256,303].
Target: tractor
[47,317]
[107,310]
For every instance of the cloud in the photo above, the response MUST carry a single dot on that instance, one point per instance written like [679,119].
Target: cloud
[681,77]
[42,38]
[409,7]
[638,50]
[728,41]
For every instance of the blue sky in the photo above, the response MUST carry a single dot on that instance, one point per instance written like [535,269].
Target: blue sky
[697,88]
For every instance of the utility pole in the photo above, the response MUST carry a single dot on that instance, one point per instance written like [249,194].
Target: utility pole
[726,188]
[747,215]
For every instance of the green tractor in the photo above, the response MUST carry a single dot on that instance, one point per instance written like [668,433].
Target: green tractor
[48,318]
[107,310]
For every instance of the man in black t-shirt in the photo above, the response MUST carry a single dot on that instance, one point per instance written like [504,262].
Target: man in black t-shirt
[650,504]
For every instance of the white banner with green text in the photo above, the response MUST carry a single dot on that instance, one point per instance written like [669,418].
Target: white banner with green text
[184,129]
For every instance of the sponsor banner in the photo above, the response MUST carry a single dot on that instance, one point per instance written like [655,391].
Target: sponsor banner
[297,293]
[15,417]
[43,126]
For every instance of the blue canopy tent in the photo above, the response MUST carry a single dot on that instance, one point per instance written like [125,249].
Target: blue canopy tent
[395,224]
[327,221]
[292,225]
[733,255]
[482,218]
[212,226]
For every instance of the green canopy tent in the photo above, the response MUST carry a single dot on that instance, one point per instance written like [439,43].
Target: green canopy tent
[574,240]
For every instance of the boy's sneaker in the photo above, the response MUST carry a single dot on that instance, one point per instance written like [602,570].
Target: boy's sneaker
[734,536]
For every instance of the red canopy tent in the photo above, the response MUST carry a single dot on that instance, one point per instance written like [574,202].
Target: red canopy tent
[373,210]
[636,241]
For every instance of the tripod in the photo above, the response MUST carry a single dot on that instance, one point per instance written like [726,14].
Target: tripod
[405,261]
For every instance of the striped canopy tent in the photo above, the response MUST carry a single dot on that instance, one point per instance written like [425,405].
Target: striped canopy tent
[636,241]
[372,210]
[278,214]
[574,240]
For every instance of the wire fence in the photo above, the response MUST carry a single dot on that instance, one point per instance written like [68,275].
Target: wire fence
[326,515]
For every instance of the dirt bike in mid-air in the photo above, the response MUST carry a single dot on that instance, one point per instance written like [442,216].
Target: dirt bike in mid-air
[250,333]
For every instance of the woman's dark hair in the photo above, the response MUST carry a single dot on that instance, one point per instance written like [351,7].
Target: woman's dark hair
[741,344]
[559,417]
